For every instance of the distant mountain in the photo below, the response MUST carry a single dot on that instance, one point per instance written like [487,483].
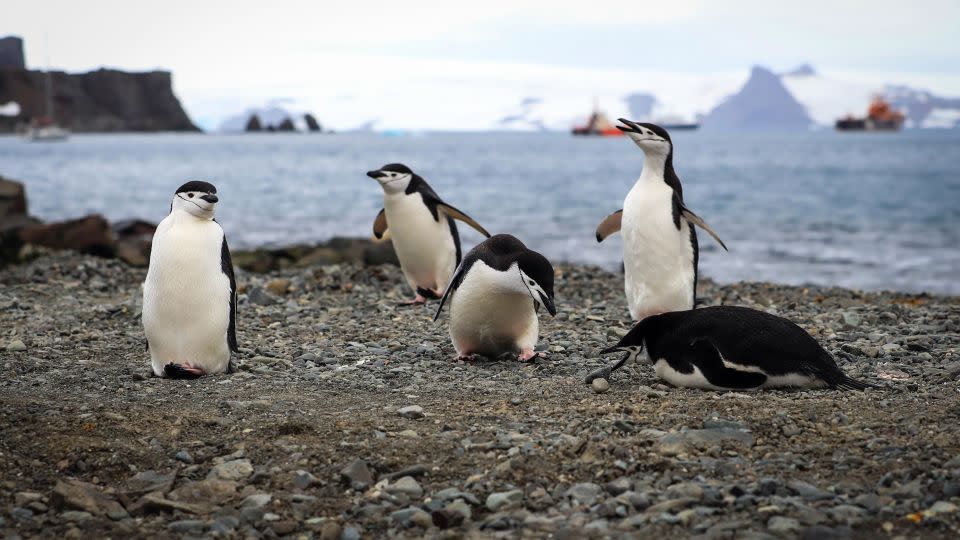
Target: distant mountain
[803,70]
[763,103]
[269,116]
[924,109]
[640,104]
[524,117]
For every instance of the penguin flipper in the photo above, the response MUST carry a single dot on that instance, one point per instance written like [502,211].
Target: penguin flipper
[699,222]
[380,225]
[226,266]
[457,214]
[609,225]
[454,283]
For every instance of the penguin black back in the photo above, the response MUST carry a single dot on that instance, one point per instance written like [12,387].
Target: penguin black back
[742,337]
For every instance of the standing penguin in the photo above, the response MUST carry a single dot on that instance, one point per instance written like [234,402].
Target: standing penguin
[494,298]
[730,348]
[421,225]
[190,295]
[660,251]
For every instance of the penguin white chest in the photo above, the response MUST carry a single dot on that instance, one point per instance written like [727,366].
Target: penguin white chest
[424,246]
[489,316]
[657,257]
[186,296]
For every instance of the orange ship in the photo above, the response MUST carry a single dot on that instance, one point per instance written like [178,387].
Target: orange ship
[880,117]
[598,124]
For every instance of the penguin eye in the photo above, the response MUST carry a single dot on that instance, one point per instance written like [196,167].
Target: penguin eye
[532,283]
[190,195]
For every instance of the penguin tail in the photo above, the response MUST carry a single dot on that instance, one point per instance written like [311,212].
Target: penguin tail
[848,383]
[427,293]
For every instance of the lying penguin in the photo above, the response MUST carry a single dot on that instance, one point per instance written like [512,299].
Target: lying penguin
[494,298]
[730,348]
[421,225]
[190,294]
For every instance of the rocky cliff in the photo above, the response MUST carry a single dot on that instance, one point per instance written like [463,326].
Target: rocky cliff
[98,101]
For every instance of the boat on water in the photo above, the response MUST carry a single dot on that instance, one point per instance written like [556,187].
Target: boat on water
[597,124]
[880,117]
[45,128]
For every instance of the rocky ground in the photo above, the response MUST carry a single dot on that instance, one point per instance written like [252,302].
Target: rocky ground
[350,419]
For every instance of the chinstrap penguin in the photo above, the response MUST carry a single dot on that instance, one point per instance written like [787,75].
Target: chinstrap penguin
[730,348]
[190,294]
[494,298]
[660,250]
[422,228]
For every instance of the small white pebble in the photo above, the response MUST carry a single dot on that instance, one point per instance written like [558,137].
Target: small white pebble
[600,385]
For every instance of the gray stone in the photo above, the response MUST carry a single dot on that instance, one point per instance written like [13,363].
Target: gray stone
[16,345]
[357,475]
[783,525]
[406,485]
[77,495]
[411,411]
[259,297]
[618,486]
[584,493]
[350,533]
[257,500]
[808,491]
[411,516]
[504,500]
[303,479]
[600,385]
[183,456]
[186,526]
[237,469]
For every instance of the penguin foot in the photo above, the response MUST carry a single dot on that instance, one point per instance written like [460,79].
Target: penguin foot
[469,357]
[528,355]
[182,371]
[418,301]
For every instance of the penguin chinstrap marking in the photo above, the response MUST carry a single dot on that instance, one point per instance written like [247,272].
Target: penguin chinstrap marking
[494,298]
[730,348]
[660,250]
[190,294]
[422,228]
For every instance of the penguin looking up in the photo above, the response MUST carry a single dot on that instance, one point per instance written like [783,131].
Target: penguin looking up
[421,225]
[660,250]
[190,294]
[494,298]
[730,348]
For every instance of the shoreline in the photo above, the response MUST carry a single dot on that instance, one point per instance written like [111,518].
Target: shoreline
[349,417]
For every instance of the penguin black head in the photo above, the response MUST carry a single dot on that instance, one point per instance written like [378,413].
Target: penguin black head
[393,177]
[536,272]
[196,198]
[632,343]
[651,138]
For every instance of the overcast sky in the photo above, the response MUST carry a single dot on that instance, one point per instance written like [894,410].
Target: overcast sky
[226,55]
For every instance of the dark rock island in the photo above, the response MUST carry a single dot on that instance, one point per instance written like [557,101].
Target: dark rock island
[98,101]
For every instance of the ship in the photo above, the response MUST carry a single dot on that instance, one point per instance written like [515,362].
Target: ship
[597,124]
[880,117]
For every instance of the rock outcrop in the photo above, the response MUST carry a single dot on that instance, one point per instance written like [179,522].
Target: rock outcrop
[763,103]
[98,101]
[11,53]
[253,124]
[312,124]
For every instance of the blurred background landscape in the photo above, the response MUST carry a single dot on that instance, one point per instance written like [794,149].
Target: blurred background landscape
[821,140]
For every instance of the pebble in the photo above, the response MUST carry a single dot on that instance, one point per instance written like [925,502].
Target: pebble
[237,469]
[504,500]
[303,479]
[16,345]
[411,411]
[405,485]
[600,385]
[357,475]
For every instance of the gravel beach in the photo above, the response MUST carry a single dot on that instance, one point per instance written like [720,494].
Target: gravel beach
[350,418]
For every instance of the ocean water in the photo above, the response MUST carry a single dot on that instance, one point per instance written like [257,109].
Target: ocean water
[870,211]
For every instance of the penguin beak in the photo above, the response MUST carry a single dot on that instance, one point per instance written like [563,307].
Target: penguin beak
[548,303]
[375,174]
[628,127]
[210,198]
